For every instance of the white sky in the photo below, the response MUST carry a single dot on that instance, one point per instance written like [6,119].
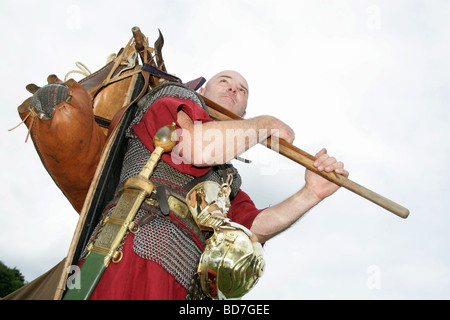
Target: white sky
[366,79]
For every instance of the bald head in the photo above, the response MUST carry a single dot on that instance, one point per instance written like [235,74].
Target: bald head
[228,89]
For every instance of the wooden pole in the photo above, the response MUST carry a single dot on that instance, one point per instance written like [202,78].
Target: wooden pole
[218,112]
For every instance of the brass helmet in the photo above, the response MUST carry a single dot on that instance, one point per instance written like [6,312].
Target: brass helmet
[232,262]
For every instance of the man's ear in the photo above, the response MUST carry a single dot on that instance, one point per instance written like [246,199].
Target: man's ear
[201,90]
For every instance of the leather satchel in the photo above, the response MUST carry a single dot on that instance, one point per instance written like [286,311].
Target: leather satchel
[69,143]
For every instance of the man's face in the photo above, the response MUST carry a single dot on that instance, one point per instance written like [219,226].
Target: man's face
[228,89]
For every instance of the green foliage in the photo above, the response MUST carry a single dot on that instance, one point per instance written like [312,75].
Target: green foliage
[10,280]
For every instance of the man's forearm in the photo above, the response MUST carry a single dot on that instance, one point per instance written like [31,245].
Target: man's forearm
[223,141]
[217,142]
[280,217]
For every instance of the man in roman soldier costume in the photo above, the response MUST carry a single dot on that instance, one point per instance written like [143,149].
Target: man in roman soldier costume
[160,256]
[194,234]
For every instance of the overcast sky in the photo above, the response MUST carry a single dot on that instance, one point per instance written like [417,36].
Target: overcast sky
[366,79]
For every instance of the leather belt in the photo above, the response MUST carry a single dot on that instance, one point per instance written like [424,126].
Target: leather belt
[178,207]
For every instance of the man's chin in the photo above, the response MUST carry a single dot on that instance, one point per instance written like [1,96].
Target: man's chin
[227,103]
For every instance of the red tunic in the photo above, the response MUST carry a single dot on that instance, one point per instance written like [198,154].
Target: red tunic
[137,278]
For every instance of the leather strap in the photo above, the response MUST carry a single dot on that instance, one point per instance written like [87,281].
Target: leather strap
[102,122]
[197,180]
[160,74]
[162,200]
[121,112]
[196,83]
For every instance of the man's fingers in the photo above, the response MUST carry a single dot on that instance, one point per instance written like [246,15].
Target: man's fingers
[342,171]
[321,153]
[328,164]
[323,160]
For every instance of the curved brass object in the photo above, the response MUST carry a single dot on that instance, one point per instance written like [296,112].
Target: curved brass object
[166,137]
[231,263]
[118,255]
[209,203]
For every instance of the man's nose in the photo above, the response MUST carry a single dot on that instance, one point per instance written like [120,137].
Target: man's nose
[232,88]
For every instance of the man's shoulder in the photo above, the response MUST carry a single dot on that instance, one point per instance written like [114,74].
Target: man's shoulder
[171,89]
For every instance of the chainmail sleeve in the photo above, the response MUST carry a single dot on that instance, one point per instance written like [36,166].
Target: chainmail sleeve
[165,90]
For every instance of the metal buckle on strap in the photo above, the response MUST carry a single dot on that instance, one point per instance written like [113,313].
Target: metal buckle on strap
[178,207]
